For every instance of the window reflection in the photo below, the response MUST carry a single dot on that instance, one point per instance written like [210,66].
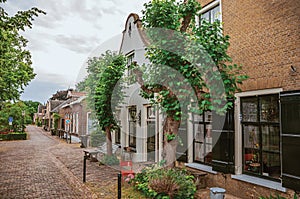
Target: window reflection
[261,135]
[203,137]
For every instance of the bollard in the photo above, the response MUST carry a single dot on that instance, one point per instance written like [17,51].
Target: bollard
[84,166]
[70,138]
[119,185]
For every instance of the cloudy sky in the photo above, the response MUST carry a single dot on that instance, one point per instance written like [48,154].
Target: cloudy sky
[72,31]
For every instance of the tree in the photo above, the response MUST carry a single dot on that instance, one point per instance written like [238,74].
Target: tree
[14,110]
[185,58]
[31,109]
[15,60]
[17,110]
[104,74]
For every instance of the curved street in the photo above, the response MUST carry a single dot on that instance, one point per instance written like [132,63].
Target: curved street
[44,166]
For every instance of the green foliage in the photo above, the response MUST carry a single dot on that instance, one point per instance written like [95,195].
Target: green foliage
[31,109]
[13,110]
[56,118]
[170,137]
[178,43]
[110,160]
[39,122]
[104,73]
[277,197]
[159,182]
[13,136]
[108,92]
[15,60]
[97,138]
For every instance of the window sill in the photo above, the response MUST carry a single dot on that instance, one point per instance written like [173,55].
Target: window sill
[259,181]
[201,167]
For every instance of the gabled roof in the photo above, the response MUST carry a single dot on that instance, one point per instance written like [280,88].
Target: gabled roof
[72,93]
[56,109]
[72,102]
[139,26]
[55,103]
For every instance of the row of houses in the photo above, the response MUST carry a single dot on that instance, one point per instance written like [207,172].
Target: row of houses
[256,148]
[66,110]
[259,140]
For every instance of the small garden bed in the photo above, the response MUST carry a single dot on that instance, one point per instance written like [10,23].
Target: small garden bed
[13,136]
[164,183]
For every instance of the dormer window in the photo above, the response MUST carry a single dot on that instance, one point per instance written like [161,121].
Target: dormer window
[129,30]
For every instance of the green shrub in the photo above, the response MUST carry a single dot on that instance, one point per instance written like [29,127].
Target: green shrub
[163,183]
[277,197]
[109,160]
[13,136]
[39,123]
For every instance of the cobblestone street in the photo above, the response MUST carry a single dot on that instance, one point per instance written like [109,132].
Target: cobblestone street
[45,166]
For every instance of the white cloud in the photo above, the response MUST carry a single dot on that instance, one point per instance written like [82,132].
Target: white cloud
[62,40]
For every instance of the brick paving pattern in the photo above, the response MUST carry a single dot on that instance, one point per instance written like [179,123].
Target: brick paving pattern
[45,166]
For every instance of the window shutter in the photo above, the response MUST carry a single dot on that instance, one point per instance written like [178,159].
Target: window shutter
[223,142]
[290,136]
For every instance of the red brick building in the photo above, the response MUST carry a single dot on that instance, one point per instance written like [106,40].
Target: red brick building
[259,152]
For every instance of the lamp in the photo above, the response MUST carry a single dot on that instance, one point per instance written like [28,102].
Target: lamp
[132,112]
[134,116]
[293,69]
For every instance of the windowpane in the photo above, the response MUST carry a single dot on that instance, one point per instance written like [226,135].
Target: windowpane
[118,136]
[132,134]
[212,15]
[269,111]
[199,132]
[249,110]
[205,16]
[150,136]
[198,152]
[261,137]
[198,118]
[271,164]
[208,144]
[132,113]
[251,148]
[270,138]
[203,137]
[208,116]
[216,14]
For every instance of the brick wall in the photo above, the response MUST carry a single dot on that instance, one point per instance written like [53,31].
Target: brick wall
[265,40]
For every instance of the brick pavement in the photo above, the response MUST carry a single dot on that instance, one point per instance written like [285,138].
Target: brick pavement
[45,166]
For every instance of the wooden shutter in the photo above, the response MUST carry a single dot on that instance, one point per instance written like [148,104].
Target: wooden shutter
[223,142]
[290,137]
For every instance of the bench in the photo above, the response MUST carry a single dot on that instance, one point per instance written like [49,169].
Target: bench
[103,147]
[93,153]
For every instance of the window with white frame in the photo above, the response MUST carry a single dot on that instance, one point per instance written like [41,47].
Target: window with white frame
[202,126]
[132,113]
[211,13]
[261,135]
[151,133]
[77,123]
